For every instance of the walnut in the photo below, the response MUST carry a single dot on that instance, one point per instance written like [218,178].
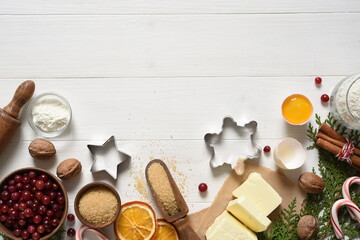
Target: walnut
[41,149]
[311,183]
[307,227]
[68,168]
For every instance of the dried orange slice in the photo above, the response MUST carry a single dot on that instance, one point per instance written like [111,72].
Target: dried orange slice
[136,221]
[165,231]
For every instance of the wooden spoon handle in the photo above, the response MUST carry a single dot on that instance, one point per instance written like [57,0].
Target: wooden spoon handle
[22,95]
[185,231]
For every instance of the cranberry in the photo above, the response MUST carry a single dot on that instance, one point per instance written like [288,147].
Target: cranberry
[43,177]
[39,195]
[203,187]
[5,195]
[26,180]
[70,217]
[35,236]
[21,215]
[15,196]
[12,188]
[41,228]
[26,195]
[13,214]
[50,213]
[22,222]
[37,219]
[25,234]
[60,199]
[45,200]
[42,209]
[18,178]
[55,187]
[17,232]
[52,195]
[11,182]
[55,222]
[31,228]
[22,206]
[71,232]
[267,149]
[318,80]
[28,212]
[40,185]
[32,174]
[33,182]
[325,98]
[19,186]
[5,208]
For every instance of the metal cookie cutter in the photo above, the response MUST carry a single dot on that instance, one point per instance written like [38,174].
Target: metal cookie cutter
[107,157]
[237,154]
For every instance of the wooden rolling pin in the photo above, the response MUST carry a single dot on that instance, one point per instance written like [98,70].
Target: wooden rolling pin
[9,114]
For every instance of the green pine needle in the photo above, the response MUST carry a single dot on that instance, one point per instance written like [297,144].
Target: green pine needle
[334,173]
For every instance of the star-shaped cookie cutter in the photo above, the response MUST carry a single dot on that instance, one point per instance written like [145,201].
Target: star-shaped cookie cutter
[108,164]
[213,139]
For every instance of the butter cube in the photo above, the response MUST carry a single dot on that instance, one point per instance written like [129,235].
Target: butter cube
[260,193]
[227,227]
[248,214]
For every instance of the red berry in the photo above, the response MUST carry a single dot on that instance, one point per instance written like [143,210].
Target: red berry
[267,149]
[318,80]
[40,185]
[203,187]
[325,98]
[71,232]
[70,217]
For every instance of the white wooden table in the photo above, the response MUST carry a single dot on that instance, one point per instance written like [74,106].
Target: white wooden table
[159,75]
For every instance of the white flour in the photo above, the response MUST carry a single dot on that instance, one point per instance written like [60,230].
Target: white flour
[348,104]
[50,115]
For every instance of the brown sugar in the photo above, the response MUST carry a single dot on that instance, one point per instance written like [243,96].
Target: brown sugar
[98,205]
[162,187]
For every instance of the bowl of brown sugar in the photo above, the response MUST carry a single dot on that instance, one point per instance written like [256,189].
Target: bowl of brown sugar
[97,205]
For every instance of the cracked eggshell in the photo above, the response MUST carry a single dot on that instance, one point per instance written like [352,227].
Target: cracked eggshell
[289,154]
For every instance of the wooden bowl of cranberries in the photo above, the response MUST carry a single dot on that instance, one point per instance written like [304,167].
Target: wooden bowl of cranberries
[33,204]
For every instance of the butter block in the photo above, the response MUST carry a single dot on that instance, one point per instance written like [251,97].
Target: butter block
[227,227]
[260,193]
[248,214]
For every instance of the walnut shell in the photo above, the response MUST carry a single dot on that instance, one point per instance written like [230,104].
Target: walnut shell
[307,227]
[68,168]
[311,183]
[41,149]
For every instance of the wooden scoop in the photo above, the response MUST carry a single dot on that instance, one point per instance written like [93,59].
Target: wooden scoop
[9,114]
[179,219]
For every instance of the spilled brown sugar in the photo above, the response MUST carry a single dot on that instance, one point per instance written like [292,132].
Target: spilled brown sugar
[162,187]
[98,205]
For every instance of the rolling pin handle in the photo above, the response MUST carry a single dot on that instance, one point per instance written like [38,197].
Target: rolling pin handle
[22,95]
[185,231]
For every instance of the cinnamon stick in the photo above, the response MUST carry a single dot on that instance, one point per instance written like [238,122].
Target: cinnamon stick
[326,129]
[328,146]
[336,142]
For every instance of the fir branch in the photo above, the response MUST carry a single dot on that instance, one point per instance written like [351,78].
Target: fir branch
[2,235]
[284,228]
[334,173]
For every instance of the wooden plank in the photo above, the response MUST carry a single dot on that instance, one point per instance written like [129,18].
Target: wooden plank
[174,45]
[174,7]
[174,108]
[183,157]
